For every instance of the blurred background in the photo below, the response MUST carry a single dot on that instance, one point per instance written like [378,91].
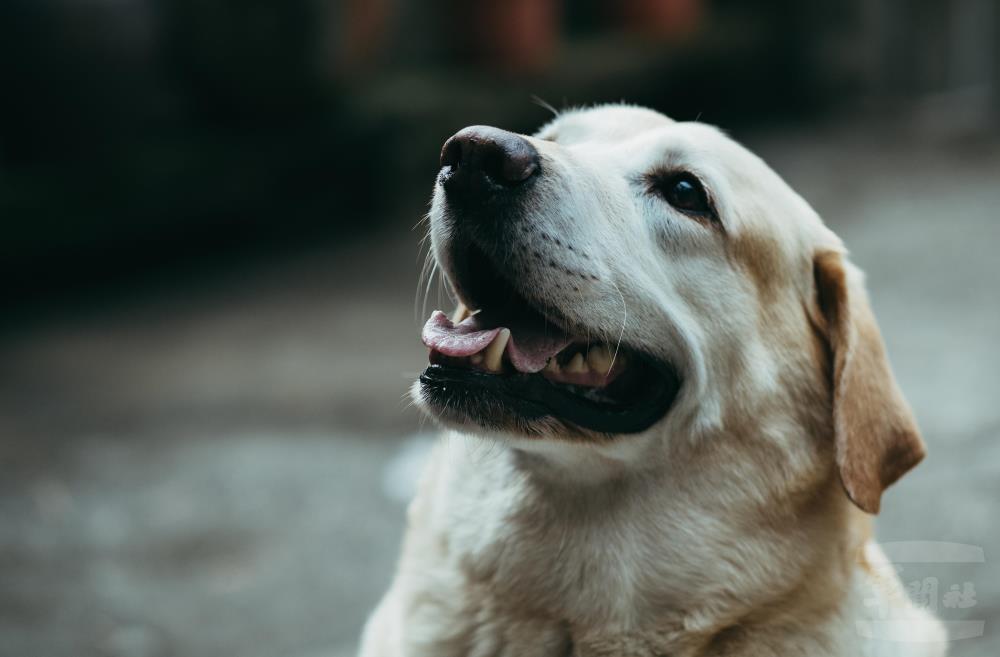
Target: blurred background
[209,269]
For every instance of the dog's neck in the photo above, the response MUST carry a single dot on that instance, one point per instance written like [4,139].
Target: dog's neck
[659,556]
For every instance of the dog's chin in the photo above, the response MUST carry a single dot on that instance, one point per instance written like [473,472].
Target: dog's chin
[490,423]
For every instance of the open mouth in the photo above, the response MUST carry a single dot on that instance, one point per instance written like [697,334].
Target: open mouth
[510,362]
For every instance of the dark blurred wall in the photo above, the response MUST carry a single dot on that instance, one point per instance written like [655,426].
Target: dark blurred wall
[140,134]
[143,133]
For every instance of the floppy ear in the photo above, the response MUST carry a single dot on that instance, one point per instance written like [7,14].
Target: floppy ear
[875,434]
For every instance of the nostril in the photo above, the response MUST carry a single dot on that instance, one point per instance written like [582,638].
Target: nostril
[518,165]
[493,164]
[451,153]
[507,159]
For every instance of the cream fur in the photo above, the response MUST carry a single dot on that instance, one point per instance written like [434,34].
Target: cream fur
[722,530]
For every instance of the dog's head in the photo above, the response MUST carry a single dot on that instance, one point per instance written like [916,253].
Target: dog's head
[626,281]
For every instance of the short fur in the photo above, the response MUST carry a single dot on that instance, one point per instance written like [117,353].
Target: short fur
[725,528]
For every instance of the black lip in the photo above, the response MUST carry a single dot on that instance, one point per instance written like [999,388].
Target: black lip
[507,401]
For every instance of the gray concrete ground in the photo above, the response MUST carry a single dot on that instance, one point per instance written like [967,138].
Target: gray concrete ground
[220,469]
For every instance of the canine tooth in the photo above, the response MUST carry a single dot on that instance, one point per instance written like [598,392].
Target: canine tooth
[599,359]
[461,312]
[494,353]
[577,365]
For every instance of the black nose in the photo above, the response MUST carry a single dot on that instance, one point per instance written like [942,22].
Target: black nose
[479,156]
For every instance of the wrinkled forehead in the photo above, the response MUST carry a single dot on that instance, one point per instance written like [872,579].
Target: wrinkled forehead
[608,123]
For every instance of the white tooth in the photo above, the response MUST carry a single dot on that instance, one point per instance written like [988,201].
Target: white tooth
[494,353]
[476,359]
[460,313]
[577,365]
[599,359]
[552,367]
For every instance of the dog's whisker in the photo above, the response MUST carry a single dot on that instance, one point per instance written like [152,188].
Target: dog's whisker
[621,334]
[430,282]
[426,275]
[425,219]
[445,289]
[406,402]
[544,104]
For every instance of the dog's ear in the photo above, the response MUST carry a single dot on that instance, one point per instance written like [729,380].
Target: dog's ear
[875,434]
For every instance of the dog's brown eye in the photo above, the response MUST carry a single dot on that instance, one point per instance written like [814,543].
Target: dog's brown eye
[685,192]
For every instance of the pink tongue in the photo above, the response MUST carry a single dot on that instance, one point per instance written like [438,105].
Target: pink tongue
[459,341]
[528,350]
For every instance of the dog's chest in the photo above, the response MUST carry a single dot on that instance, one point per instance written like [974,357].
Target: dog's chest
[520,564]
[538,555]
[496,566]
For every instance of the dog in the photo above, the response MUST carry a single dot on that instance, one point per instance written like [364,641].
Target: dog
[668,409]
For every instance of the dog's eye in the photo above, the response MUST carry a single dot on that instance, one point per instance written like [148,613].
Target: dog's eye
[685,192]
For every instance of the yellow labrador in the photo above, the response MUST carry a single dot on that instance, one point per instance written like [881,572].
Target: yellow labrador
[668,406]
